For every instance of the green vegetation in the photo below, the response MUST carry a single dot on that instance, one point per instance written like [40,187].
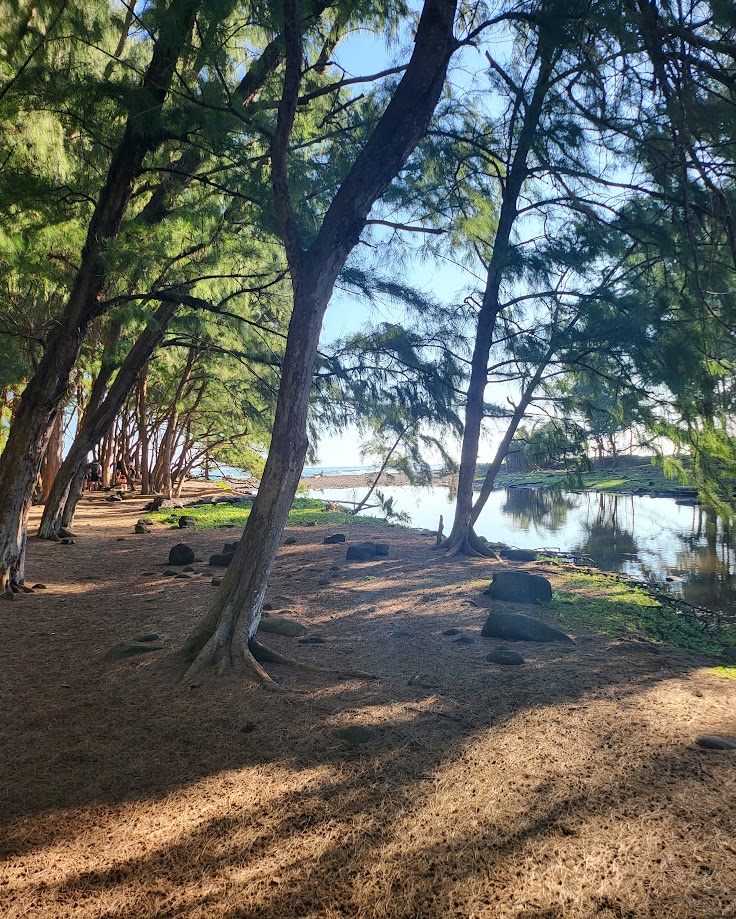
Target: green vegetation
[304,512]
[605,603]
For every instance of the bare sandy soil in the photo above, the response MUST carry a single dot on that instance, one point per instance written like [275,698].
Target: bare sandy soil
[570,786]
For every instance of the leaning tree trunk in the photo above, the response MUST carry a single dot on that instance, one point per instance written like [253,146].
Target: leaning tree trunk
[227,632]
[62,503]
[462,538]
[52,459]
[21,459]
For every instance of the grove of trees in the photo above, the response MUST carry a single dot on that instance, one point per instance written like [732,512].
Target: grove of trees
[184,185]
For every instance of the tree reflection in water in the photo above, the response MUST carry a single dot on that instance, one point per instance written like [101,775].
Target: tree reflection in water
[611,545]
[545,509]
[706,563]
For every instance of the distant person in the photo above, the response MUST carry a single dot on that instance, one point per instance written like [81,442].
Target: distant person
[94,475]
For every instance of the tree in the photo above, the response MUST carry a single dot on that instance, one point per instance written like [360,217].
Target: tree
[227,631]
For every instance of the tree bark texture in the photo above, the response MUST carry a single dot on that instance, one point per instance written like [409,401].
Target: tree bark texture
[28,438]
[227,631]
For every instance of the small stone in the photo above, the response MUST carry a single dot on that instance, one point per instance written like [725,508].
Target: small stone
[279,626]
[230,548]
[268,606]
[188,568]
[290,541]
[714,742]
[39,587]
[464,640]
[451,632]
[187,521]
[67,542]
[183,576]
[168,573]
[334,539]
[312,640]
[248,727]
[323,582]
[220,560]
[354,734]
[335,568]
[216,582]
[149,636]
[505,657]
[181,554]
[141,529]
[146,521]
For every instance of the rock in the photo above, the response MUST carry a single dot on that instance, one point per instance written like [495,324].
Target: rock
[67,534]
[183,576]
[181,554]
[335,568]
[7,595]
[230,548]
[268,606]
[113,498]
[188,568]
[366,551]
[280,626]
[141,529]
[67,542]
[248,727]
[502,656]
[216,582]
[312,640]
[515,627]
[714,742]
[149,636]
[354,734]
[130,649]
[220,560]
[323,582]
[464,640]
[39,587]
[187,521]
[519,587]
[451,632]
[730,652]
[290,541]
[519,555]
[335,538]
[146,521]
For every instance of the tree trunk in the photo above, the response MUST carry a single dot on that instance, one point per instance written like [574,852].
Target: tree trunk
[366,498]
[226,633]
[462,538]
[145,471]
[47,389]
[52,459]
[65,495]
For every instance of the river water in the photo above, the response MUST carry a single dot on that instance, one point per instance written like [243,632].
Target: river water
[686,550]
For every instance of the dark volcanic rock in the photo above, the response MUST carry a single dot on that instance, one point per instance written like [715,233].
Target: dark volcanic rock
[519,555]
[464,640]
[187,521]
[366,551]
[230,547]
[280,626]
[714,742]
[290,541]
[130,649]
[515,627]
[519,587]
[451,632]
[221,560]
[335,538]
[181,554]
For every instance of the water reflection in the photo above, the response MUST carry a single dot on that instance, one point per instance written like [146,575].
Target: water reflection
[544,510]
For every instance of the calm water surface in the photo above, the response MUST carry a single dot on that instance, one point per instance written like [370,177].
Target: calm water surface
[647,537]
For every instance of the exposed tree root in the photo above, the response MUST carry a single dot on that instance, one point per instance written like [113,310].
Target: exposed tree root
[268,656]
[468,544]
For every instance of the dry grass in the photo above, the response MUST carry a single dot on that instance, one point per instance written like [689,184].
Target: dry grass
[569,787]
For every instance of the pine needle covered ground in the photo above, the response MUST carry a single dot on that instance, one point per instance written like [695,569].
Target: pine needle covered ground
[571,786]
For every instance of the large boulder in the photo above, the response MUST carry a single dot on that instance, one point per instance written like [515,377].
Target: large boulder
[335,538]
[519,587]
[515,627]
[181,554]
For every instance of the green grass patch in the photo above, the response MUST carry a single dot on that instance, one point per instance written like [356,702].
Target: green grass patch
[615,607]
[728,673]
[304,512]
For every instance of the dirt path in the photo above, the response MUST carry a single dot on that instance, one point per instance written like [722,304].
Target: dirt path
[568,787]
